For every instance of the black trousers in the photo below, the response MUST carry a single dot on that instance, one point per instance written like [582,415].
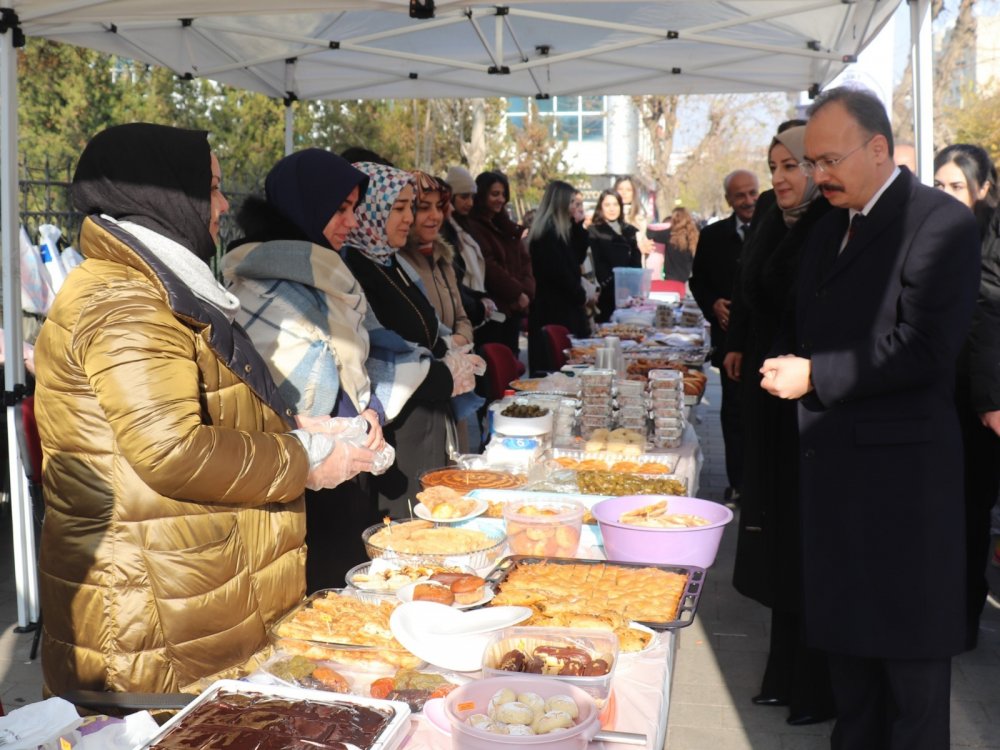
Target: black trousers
[890,704]
[794,671]
[732,429]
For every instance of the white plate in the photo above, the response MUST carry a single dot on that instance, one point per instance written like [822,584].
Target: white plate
[405,594]
[422,511]
[450,638]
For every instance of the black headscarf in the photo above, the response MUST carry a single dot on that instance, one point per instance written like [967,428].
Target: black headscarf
[153,175]
[309,186]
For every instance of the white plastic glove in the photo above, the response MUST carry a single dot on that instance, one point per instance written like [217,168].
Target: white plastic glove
[464,366]
[345,461]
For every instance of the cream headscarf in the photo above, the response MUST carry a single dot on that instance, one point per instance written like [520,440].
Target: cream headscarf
[794,140]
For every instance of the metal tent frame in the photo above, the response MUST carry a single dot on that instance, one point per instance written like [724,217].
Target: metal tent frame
[353,49]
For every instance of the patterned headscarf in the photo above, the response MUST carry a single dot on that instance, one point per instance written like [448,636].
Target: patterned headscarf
[384,186]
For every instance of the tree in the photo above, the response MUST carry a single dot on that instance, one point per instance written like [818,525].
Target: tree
[948,65]
[531,158]
[658,115]
[977,118]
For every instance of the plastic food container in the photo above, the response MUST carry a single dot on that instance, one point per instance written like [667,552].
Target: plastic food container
[478,559]
[671,546]
[300,632]
[595,644]
[474,698]
[545,528]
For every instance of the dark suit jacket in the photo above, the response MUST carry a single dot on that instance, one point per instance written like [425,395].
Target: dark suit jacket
[713,273]
[880,448]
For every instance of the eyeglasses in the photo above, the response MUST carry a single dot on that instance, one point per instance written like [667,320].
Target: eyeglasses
[825,165]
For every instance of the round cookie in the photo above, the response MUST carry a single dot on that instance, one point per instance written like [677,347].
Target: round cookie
[552,721]
[514,713]
[534,700]
[562,703]
[501,697]
[519,730]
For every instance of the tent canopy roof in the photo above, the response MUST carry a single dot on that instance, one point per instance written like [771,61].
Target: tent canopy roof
[352,49]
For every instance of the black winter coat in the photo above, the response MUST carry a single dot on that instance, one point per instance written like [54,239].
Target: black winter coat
[880,447]
[559,296]
[768,553]
[610,251]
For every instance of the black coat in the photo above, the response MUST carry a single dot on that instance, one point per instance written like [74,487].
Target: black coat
[611,250]
[559,295]
[984,339]
[713,274]
[768,553]
[880,447]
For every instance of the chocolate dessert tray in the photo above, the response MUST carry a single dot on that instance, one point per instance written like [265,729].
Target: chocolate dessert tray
[234,715]
[687,597]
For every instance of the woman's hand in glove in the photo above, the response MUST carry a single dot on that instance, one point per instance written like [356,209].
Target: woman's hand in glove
[462,369]
[344,461]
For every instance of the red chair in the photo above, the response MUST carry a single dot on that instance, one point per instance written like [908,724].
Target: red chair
[501,368]
[557,339]
[664,285]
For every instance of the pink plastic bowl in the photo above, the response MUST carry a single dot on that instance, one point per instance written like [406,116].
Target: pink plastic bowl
[474,698]
[694,546]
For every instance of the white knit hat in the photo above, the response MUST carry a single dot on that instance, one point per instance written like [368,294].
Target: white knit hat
[460,180]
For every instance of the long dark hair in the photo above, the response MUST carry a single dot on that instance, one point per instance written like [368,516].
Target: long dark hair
[978,170]
[598,217]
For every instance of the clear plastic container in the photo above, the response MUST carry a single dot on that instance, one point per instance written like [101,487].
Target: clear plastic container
[559,653]
[545,528]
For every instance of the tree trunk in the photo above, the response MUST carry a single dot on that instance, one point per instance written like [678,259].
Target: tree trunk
[474,150]
[659,117]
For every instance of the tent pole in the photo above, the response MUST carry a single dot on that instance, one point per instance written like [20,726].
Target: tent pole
[921,52]
[289,103]
[25,567]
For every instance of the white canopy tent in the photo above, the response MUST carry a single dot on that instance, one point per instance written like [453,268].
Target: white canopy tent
[352,49]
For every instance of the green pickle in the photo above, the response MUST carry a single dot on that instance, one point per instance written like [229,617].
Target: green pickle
[617,484]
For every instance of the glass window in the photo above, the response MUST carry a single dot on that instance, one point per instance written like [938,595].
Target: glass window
[544,105]
[592,128]
[592,103]
[517,104]
[517,121]
[567,104]
[567,126]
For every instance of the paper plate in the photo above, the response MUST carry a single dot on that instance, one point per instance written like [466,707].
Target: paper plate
[405,594]
[450,638]
[422,511]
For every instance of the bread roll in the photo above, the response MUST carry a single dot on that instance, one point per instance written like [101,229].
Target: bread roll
[468,589]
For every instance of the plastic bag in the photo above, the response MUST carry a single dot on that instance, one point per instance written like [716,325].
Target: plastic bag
[38,725]
[36,288]
[48,248]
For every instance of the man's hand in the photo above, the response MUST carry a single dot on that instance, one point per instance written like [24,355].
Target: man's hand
[523,301]
[721,310]
[991,419]
[733,365]
[787,376]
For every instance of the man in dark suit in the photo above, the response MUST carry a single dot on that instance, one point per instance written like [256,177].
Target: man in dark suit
[883,305]
[713,273]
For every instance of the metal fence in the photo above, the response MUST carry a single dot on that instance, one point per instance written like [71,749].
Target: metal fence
[45,199]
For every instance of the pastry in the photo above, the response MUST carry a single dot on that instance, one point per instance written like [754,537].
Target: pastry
[433,592]
[468,589]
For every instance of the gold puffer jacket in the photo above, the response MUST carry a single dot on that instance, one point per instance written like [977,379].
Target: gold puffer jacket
[174,523]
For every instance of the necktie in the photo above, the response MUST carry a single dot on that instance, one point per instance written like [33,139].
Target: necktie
[856,223]
[744,228]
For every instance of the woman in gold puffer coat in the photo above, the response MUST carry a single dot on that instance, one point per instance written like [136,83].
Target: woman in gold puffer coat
[174,525]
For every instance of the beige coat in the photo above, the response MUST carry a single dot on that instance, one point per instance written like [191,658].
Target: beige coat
[440,284]
[174,524]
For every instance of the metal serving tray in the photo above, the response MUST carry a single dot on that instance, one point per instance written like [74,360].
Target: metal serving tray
[686,607]
[391,736]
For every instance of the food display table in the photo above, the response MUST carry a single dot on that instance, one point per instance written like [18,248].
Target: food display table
[640,692]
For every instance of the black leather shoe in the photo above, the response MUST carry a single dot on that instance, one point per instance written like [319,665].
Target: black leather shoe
[804,720]
[769,700]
